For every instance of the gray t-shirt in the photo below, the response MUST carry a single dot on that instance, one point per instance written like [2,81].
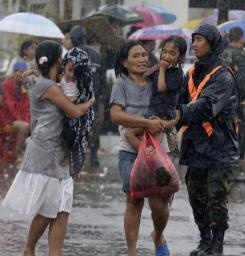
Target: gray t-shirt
[135,100]
[45,151]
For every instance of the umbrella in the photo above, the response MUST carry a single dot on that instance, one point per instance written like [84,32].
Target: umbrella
[98,25]
[227,26]
[30,24]
[152,15]
[167,15]
[192,24]
[117,12]
[213,19]
[160,32]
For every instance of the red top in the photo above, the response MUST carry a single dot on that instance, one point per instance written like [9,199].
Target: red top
[16,104]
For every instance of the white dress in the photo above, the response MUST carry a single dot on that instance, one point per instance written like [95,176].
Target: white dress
[42,186]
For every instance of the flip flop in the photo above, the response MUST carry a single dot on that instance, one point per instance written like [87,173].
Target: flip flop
[162,250]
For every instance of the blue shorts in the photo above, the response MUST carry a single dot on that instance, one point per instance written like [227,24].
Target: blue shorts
[125,164]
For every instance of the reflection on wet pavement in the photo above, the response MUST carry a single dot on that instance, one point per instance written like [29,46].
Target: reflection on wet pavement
[96,223]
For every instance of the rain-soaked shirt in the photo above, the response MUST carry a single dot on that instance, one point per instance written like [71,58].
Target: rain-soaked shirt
[45,150]
[134,99]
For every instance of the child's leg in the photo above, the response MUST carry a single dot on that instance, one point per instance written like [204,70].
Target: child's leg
[133,135]
[173,140]
[38,226]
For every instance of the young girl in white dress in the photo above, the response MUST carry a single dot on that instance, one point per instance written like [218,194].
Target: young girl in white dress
[43,188]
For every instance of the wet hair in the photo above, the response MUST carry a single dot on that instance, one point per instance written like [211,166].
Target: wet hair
[180,43]
[24,46]
[78,35]
[235,34]
[47,53]
[122,55]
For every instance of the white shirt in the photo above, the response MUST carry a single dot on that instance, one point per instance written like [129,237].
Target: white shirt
[69,88]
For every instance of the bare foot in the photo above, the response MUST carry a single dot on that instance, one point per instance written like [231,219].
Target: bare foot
[28,252]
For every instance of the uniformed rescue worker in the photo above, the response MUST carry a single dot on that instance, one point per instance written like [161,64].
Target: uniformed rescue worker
[234,57]
[209,143]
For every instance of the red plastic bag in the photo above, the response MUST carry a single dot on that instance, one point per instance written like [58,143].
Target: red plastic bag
[153,172]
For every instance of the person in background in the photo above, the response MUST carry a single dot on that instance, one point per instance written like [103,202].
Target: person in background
[150,46]
[234,57]
[99,84]
[26,54]
[66,42]
[79,39]
[209,145]
[16,105]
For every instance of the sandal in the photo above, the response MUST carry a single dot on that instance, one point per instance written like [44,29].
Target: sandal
[162,250]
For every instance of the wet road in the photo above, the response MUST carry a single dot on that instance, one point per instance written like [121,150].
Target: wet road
[96,223]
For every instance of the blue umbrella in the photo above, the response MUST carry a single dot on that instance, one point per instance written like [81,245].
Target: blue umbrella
[227,26]
[167,15]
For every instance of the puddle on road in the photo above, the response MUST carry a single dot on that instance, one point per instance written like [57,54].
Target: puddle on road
[96,224]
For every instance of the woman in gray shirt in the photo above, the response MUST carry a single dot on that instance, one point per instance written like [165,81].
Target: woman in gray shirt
[130,100]
[43,187]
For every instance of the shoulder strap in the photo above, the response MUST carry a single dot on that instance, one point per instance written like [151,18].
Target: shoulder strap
[193,91]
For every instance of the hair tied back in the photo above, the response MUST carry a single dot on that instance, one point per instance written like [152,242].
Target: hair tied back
[42,60]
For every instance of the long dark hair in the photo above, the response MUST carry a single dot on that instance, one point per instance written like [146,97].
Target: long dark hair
[122,55]
[47,53]
[180,43]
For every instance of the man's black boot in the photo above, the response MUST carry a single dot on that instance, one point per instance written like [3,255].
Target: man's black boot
[218,242]
[206,252]
[204,243]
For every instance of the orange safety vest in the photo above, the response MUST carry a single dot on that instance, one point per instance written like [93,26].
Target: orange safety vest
[195,92]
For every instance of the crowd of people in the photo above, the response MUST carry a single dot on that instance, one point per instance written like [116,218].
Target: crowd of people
[54,96]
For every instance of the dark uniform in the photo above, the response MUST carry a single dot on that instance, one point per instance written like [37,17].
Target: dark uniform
[98,85]
[235,59]
[210,144]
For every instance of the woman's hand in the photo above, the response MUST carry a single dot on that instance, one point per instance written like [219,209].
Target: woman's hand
[155,125]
